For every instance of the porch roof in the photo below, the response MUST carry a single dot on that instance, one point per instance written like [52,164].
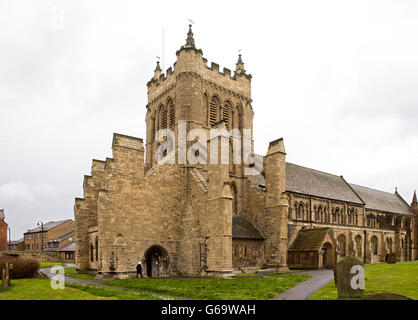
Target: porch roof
[309,239]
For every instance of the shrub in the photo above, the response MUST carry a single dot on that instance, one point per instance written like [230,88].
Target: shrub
[22,268]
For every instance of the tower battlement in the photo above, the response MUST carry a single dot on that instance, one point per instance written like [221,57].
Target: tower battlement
[190,59]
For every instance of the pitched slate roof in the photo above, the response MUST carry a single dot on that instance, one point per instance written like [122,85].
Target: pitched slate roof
[316,183]
[48,226]
[382,201]
[68,247]
[16,241]
[64,236]
[309,239]
[244,229]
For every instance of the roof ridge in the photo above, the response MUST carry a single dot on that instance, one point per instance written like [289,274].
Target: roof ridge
[352,189]
[357,185]
[330,174]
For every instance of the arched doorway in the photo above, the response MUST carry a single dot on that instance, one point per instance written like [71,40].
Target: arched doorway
[328,255]
[157,261]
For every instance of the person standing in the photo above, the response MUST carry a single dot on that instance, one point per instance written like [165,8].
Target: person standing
[139,269]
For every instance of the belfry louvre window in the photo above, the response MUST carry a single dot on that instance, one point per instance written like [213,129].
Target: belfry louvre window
[164,119]
[225,115]
[172,114]
[213,111]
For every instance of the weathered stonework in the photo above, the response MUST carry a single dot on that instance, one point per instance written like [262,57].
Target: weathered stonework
[178,218]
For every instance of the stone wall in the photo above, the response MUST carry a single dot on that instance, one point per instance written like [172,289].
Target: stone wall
[247,253]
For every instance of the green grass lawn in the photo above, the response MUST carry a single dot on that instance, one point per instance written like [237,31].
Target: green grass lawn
[273,273]
[71,272]
[40,289]
[117,293]
[47,264]
[218,289]
[400,278]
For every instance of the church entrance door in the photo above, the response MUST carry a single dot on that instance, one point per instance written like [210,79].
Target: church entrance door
[328,255]
[157,261]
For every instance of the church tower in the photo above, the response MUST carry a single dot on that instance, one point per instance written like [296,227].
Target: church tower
[198,96]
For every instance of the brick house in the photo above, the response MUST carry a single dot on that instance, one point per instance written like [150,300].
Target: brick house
[36,237]
[63,246]
[3,231]
[17,245]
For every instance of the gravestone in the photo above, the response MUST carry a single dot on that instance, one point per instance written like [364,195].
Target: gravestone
[349,278]
[5,277]
[392,257]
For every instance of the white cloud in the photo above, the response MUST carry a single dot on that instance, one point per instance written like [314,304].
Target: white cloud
[11,192]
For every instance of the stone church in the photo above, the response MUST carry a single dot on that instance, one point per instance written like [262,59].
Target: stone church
[198,219]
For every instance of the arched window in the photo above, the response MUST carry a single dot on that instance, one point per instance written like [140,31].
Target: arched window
[91,252]
[234,191]
[214,107]
[342,245]
[300,211]
[236,118]
[236,250]
[389,244]
[163,120]
[358,242]
[151,126]
[97,248]
[374,244]
[206,107]
[158,117]
[171,114]
[226,109]
[337,214]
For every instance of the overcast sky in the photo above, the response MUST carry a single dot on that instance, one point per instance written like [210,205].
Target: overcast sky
[337,79]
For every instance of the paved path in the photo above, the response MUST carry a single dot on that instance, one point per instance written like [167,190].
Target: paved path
[305,289]
[96,282]
[49,274]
